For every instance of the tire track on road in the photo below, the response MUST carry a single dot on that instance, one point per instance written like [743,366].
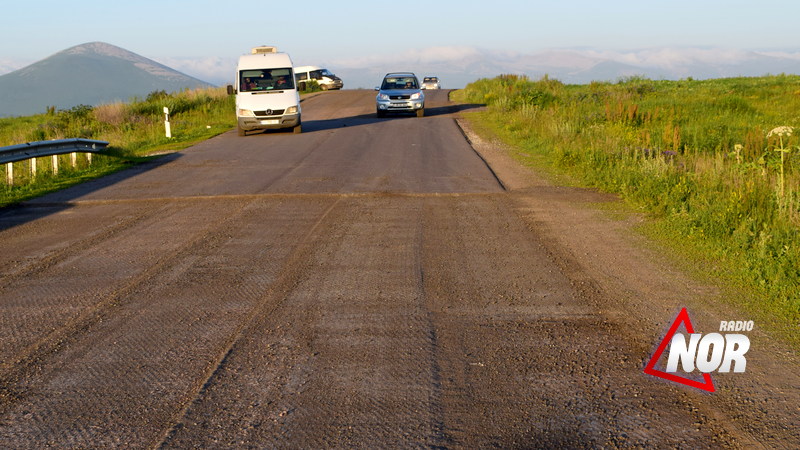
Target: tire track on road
[10,275]
[270,300]
[26,360]
[348,357]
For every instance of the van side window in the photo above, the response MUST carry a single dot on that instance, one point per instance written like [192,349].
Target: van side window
[316,74]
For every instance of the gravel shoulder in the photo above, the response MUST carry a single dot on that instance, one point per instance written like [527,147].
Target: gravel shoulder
[641,291]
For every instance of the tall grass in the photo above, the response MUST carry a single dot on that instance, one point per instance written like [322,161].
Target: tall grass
[134,130]
[708,159]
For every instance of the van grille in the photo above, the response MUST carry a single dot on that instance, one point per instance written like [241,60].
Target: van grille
[269,112]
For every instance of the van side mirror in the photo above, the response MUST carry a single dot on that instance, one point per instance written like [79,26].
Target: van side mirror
[231,90]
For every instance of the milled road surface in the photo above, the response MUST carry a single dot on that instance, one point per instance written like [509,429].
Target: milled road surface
[368,283]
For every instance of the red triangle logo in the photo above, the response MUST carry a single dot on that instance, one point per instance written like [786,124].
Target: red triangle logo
[650,369]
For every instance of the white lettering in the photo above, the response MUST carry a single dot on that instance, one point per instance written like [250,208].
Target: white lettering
[680,351]
[710,352]
[707,364]
[736,345]
[736,325]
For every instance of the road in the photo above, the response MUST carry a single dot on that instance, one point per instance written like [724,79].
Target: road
[367,283]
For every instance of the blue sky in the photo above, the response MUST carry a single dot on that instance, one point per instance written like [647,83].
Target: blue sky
[195,33]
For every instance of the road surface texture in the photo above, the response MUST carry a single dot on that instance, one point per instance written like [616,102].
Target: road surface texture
[367,283]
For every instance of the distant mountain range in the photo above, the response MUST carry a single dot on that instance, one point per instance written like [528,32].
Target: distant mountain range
[97,73]
[90,74]
[458,66]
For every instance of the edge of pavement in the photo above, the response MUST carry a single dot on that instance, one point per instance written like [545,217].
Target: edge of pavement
[627,279]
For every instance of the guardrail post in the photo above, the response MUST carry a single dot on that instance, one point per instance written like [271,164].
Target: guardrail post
[33,167]
[89,158]
[10,174]
[55,164]
[74,159]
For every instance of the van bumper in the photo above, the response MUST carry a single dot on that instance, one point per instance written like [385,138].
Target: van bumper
[249,123]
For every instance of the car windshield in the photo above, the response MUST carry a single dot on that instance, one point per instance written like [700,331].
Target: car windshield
[399,83]
[266,79]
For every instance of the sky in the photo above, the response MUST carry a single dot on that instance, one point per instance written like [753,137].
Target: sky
[204,37]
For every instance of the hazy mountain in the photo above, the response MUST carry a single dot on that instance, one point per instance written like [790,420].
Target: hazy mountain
[461,65]
[89,74]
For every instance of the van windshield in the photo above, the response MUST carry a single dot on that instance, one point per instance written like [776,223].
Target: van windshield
[266,79]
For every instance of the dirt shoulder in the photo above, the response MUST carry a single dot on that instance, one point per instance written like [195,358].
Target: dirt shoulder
[641,289]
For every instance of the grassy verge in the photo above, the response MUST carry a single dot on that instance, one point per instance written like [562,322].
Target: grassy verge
[714,163]
[134,130]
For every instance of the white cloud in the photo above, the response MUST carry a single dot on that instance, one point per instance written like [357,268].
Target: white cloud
[429,55]
[214,69]
[783,54]
[673,58]
[8,65]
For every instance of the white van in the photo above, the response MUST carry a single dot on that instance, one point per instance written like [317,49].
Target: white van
[323,77]
[266,93]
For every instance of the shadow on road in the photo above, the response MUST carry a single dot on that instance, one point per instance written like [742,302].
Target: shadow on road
[310,126]
[37,208]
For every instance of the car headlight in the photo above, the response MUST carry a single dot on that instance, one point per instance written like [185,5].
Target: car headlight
[417,95]
[291,110]
[246,113]
[383,96]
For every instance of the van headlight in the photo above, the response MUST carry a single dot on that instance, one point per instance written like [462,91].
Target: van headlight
[246,113]
[291,110]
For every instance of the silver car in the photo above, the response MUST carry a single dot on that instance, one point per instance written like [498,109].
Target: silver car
[400,92]
[430,83]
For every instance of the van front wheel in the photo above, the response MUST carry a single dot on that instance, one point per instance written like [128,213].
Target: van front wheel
[241,131]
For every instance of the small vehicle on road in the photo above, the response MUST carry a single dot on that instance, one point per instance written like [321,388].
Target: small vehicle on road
[430,83]
[400,92]
[266,96]
[324,78]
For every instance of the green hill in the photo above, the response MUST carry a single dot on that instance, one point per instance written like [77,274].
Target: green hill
[88,74]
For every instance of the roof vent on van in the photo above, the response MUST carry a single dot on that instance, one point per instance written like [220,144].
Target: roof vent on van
[264,49]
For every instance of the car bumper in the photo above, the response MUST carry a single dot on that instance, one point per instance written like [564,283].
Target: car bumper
[400,105]
[249,123]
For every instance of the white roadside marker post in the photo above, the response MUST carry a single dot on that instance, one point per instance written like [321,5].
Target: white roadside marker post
[166,123]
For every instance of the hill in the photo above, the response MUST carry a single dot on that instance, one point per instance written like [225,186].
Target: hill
[89,74]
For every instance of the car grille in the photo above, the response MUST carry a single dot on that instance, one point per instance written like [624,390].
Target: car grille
[269,112]
[399,97]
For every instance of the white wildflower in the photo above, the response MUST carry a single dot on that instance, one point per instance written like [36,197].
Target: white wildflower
[780,131]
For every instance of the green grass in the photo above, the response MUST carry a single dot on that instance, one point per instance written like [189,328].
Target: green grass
[133,130]
[697,156]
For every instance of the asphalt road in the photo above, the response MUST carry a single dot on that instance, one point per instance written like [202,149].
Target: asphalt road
[367,283]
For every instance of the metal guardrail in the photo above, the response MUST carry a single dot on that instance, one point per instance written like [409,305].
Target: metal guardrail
[33,150]
[20,152]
